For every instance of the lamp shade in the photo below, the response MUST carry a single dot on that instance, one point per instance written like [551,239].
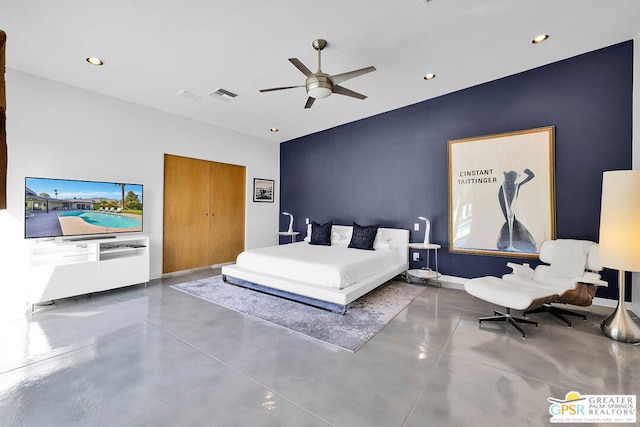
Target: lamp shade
[620,220]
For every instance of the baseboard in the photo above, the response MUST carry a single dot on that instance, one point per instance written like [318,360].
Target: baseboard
[452,282]
[634,307]
[612,303]
[449,282]
[194,270]
[605,302]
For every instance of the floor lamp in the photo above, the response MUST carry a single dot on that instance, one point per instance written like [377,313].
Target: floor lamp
[620,244]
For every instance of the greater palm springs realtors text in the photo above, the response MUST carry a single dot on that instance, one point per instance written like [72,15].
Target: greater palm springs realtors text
[477,176]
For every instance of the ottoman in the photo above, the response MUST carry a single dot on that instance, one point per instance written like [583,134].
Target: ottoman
[510,295]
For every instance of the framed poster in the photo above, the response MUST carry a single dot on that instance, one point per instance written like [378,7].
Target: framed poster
[263,190]
[502,193]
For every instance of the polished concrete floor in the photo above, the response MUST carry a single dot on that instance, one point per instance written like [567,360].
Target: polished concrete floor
[159,357]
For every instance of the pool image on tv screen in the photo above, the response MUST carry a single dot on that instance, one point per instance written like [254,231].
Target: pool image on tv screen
[63,207]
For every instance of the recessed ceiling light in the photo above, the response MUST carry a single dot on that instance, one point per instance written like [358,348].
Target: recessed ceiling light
[540,38]
[274,130]
[95,61]
[429,76]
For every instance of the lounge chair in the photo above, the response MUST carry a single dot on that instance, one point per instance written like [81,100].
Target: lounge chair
[571,278]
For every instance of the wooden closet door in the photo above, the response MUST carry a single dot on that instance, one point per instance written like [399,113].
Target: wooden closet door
[186,213]
[226,235]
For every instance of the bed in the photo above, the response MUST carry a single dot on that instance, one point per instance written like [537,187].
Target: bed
[313,274]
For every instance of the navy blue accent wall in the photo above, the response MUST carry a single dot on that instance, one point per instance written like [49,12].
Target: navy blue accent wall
[391,168]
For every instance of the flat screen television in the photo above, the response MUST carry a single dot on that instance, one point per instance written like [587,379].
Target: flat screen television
[85,209]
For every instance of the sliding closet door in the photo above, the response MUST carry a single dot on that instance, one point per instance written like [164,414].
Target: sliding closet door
[204,213]
[227,212]
[186,213]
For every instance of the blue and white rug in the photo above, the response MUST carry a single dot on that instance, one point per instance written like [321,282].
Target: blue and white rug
[365,316]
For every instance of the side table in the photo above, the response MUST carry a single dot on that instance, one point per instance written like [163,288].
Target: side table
[426,273]
[286,233]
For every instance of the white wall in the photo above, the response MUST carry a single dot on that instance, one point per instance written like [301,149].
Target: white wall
[58,131]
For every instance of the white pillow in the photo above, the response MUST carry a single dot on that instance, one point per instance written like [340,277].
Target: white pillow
[382,241]
[380,244]
[341,237]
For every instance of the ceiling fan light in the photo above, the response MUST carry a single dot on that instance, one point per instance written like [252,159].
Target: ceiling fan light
[319,85]
[319,92]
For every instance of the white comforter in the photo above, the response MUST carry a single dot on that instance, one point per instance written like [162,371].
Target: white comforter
[334,266]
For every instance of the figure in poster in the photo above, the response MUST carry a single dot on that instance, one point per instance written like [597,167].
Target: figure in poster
[514,236]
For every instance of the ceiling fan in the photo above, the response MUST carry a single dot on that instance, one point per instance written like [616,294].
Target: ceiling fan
[321,85]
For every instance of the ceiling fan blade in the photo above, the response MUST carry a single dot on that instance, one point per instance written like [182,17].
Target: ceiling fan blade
[300,66]
[344,91]
[339,78]
[279,88]
[309,103]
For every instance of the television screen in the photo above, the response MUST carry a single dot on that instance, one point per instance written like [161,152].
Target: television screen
[63,207]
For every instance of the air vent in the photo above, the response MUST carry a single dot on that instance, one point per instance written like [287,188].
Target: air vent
[189,95]
[223,94]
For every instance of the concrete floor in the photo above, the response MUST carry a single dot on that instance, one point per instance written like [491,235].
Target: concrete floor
[159,357]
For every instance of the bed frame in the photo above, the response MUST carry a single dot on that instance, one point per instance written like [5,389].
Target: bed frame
[398,240]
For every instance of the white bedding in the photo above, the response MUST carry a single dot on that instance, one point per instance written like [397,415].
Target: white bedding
[335,266]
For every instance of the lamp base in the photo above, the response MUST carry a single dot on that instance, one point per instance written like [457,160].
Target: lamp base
[620,326]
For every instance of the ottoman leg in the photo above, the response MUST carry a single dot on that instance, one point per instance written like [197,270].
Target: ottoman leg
[507,317]
[556,311]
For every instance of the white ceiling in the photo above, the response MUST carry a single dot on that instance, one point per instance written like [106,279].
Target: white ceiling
[155,48]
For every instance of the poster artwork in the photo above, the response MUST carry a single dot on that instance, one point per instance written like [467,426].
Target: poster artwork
[501,198]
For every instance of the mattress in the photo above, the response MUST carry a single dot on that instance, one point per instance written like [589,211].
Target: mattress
[336,266]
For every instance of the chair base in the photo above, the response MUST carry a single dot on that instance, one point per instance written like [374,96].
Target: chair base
[556,311]
[507,317]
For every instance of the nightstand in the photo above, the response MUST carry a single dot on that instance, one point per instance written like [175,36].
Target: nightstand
[293,235]
[426,273]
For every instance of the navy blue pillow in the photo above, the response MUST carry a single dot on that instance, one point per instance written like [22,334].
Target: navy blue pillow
[320,233]
[363,237]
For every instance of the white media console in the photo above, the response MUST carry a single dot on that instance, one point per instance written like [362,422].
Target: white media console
[61,269]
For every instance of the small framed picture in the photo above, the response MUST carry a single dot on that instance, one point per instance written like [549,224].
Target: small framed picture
[263,190]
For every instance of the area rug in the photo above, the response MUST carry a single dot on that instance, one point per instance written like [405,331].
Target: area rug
[365,317]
